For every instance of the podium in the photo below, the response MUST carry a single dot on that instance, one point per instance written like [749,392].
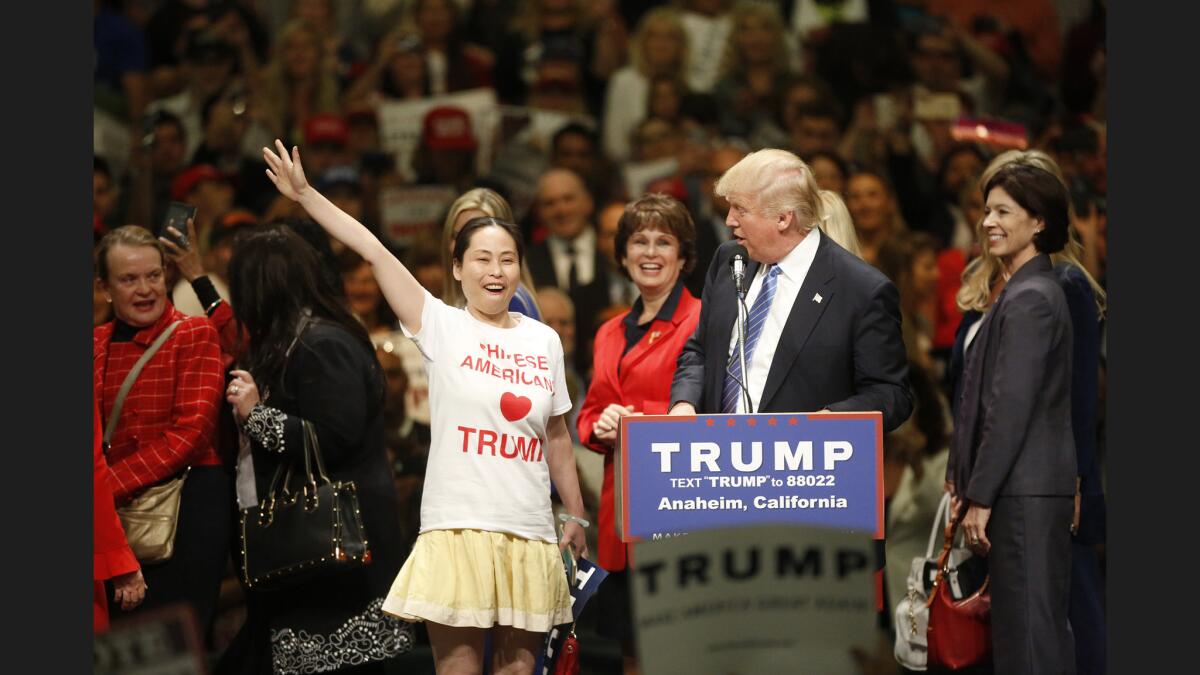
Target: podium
[680,474]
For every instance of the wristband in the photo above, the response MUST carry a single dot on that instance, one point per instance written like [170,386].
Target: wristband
[568,518]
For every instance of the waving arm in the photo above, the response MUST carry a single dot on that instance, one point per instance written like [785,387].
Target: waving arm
[404,294]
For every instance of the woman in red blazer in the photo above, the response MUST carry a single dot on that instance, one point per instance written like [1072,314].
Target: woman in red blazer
[634,360]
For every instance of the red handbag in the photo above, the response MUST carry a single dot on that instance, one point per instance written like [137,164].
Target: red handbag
[568,656]
[960,631]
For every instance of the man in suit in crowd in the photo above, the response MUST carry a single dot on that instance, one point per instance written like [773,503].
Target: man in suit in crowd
[709,210]
[569,257]
[823,331]
[621,289]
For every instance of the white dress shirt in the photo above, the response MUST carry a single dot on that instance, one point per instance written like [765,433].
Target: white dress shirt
[585,258]
[792,270]
[621,289]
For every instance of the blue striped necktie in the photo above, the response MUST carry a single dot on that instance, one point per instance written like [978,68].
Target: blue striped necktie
[754,325]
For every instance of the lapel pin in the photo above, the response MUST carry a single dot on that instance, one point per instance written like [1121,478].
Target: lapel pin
[654,335]
[817,298]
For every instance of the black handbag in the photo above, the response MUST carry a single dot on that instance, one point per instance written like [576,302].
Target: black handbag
[301,532]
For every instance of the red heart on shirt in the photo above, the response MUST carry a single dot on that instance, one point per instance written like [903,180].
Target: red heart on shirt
[514,407]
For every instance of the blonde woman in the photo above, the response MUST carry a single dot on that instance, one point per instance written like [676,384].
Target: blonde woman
[472,204]
[298,82]
[873,206]
[836,222]
[659,49]
[754,70]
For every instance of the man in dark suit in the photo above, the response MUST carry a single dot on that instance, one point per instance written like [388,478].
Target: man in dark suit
[708,211]
[826,333]
[569,257]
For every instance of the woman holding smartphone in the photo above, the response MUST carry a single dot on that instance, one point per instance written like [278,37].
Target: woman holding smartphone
[485,560]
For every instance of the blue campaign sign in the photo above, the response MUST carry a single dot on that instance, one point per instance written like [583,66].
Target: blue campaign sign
[588,577]
[680,474]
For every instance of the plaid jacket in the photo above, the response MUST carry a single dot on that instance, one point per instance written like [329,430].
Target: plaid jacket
[169,419]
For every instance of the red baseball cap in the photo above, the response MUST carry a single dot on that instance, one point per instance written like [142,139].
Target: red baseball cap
[326,129]
[448,128]
[189,178]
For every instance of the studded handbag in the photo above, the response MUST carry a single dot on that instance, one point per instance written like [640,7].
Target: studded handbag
[299,532]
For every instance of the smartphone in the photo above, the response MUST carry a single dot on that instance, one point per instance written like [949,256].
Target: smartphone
[885,111]
[177,217]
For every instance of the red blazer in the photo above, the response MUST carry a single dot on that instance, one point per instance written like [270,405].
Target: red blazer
[644,383]
[170,416]
[111,554]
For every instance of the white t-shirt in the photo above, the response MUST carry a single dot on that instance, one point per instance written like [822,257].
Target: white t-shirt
[491,393]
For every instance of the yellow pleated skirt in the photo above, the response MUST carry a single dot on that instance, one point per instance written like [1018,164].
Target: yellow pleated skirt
[473,578]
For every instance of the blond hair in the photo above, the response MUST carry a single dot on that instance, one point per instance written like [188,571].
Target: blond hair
[492,204]
[126,235]
[980,274]
[274,96]
[731,62]
[837,223]
[670,17]
[778,182]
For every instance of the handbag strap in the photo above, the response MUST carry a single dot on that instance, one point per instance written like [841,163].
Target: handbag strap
[311,444]
[944,556]
[940,520]
[129,379]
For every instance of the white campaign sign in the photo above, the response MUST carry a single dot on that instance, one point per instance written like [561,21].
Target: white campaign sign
[758,599]
[400,125]
[408,211]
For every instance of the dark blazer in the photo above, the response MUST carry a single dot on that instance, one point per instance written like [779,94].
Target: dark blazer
[1012,429]
[334,381]
[844,353]
[589,299]
[707,243]
[1085,398]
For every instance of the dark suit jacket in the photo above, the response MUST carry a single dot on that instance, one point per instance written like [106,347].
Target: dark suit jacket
[1012,430]
[844,353]
[707,244]
[589,299]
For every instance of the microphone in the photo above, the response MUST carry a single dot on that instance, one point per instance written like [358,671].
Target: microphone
[737,264]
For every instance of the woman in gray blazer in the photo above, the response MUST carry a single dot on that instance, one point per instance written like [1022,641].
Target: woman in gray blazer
[1012,458]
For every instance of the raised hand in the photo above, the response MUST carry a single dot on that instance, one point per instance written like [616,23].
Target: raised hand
[242,394]
[185,257]
[285,171]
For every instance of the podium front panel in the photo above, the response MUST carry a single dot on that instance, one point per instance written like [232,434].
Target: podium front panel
[681,474]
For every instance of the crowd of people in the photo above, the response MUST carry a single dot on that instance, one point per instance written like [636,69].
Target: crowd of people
[940,162]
